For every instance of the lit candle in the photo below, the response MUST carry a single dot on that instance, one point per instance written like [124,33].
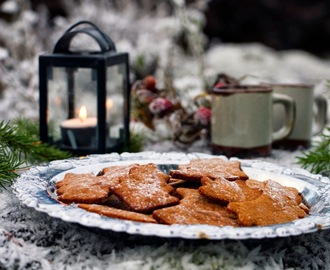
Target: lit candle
[79,132]
[109,104]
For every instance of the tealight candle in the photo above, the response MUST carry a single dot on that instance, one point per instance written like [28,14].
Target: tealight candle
[79,132]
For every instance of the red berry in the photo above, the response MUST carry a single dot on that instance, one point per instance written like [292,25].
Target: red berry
[160,106]
[150,82]
[203,116]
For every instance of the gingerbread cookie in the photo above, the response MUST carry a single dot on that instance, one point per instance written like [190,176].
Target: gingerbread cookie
[82,188]
[223,191]
[212,168]
[111,174]
[265,211]
[278,204]
[117,213]
[275,189]
[145,189]
[194,209]
[115,202]
[88,188]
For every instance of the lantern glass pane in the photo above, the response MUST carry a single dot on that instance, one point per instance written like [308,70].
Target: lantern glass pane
[57,100]
[116,88]
[72,96]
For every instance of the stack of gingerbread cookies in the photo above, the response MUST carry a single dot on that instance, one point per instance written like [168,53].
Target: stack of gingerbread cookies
[205,191]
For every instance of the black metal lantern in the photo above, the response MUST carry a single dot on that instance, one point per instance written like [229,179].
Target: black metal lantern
[84,94]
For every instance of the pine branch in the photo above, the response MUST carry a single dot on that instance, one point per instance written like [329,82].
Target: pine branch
[8,166]
[35,151]
[12,138]
[136,142]
[317,159]
[19,145]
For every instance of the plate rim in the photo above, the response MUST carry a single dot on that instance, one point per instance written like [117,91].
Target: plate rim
[36,179]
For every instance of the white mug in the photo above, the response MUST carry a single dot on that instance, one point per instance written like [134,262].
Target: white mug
[311,115]
[242,120]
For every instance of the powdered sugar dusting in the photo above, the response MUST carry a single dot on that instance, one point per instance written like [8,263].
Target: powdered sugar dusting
[145,188]
[279,193]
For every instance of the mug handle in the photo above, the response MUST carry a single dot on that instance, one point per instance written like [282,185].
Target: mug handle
[320,115]
[290,112]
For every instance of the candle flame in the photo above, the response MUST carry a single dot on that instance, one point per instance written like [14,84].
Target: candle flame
[109,103]
[83,113]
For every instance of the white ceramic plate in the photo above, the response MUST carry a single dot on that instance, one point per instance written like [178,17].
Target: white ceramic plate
[32,186]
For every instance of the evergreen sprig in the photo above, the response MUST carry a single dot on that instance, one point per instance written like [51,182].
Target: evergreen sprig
[20,145]
[317,159]
[9,163]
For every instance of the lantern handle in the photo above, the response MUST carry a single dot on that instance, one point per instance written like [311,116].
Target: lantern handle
[105,42]
[105,36]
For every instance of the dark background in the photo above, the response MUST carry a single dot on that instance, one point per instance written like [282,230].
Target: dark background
[279,24]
